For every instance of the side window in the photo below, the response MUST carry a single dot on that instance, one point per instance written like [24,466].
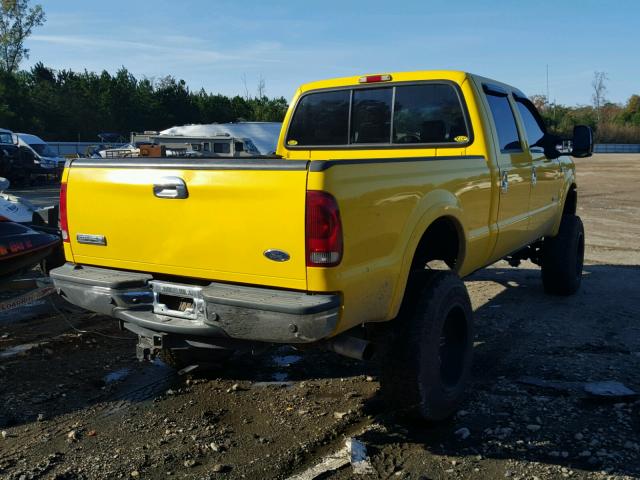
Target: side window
[534,129]
[321,119]
[428,114]
[239,146]
[220,147]
[505,123]
[371,115]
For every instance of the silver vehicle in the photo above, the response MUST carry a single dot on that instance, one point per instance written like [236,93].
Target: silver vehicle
[215,145]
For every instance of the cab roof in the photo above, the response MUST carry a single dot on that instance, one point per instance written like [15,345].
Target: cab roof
[456,76]
[453,75]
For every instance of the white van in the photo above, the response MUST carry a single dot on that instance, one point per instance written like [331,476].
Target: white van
[44,154]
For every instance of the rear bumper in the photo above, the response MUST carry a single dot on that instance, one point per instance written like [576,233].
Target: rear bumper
[228,311]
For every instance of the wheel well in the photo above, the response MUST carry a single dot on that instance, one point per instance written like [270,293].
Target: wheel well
[571,202]
[441,241]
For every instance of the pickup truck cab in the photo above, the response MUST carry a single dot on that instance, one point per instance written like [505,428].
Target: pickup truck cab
[378,179]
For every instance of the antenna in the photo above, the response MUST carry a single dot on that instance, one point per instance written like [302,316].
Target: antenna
[548,98]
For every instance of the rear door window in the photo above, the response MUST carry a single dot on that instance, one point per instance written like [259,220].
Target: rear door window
[321,119]
[505,123]
[430,113]
[371,115]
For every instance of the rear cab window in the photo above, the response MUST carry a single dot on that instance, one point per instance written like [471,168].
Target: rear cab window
[403,115]
[321,119]
[371,115]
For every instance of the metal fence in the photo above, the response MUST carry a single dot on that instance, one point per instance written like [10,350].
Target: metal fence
[616,148]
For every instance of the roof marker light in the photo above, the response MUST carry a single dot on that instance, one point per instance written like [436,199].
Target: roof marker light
[375,78]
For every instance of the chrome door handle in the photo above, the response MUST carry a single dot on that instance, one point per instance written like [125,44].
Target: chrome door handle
[504,182]
[170,187]
[534,176]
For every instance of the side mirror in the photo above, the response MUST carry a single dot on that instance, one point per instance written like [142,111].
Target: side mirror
[582,141]
[549,143]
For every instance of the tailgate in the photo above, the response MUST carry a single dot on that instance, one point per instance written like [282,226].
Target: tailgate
[234,211]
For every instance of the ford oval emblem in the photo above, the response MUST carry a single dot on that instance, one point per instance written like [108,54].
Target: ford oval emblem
[276,255]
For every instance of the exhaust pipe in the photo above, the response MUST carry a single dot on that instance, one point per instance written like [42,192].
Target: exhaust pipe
[351,347]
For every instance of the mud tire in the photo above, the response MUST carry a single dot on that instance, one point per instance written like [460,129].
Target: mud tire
[563,258]
[426,361]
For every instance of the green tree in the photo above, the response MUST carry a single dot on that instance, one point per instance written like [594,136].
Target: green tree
[17,21]
[631,112]
[5,112]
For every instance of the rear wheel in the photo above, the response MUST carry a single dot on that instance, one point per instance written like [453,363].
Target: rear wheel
[563,258]
[428,355]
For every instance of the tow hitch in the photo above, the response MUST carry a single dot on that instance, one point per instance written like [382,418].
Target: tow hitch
[149,347]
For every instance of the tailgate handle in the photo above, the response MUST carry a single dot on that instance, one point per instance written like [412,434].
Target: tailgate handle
[170,187]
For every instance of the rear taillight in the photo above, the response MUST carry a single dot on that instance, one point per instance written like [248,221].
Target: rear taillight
[64,226]
[323,230]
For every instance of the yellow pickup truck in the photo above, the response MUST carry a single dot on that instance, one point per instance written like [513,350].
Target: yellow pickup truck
[384,192]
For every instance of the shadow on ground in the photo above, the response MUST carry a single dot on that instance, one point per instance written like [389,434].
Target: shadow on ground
[521,332]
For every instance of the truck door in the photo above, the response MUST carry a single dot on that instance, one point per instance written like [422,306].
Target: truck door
[545,172]
[514,165]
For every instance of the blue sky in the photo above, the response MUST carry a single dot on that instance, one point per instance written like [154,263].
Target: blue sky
[216,44]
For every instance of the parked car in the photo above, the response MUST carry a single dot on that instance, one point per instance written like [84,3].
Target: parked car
[28,235]
[379,182]
[24,156]
[8,150]
[43,154]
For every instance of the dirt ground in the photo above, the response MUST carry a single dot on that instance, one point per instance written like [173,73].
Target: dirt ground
[75,404]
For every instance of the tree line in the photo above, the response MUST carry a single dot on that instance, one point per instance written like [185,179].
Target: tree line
[611,122]
[617,124]
[75,106]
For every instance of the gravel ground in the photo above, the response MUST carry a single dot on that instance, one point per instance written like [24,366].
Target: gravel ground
[75,404]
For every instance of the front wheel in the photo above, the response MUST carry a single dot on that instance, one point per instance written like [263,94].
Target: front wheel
[563,258]
[428,355]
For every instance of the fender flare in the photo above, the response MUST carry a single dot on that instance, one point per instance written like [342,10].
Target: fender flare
[447,206]
[570,181]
